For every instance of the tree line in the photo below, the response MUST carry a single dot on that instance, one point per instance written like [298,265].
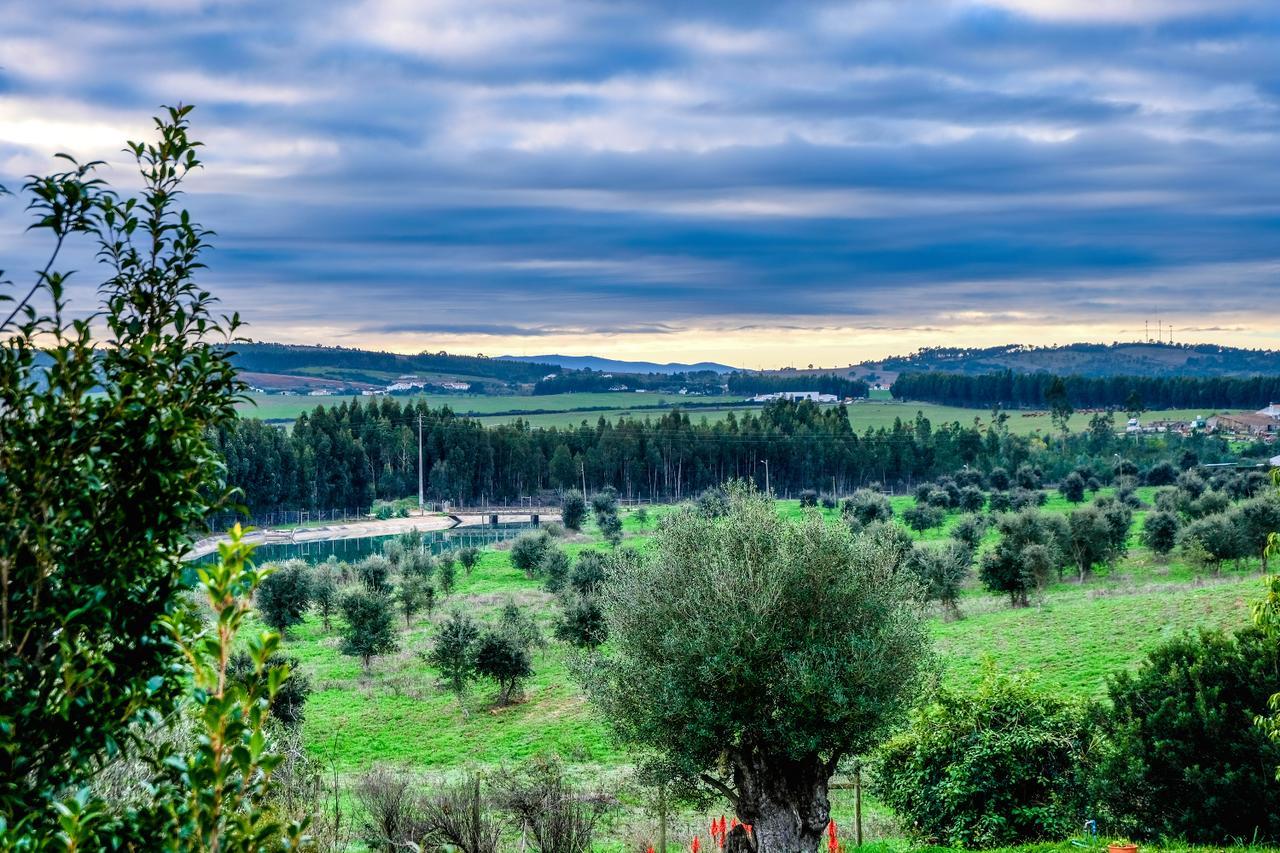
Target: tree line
[358,452]
[1133,393]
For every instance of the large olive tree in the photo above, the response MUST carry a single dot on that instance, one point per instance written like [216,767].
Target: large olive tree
[755,653]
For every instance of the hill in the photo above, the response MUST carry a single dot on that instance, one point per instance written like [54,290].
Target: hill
[1082,359]
[591,362]
[286,367]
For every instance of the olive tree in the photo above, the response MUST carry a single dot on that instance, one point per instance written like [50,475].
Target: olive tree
[778,647]
[284,596]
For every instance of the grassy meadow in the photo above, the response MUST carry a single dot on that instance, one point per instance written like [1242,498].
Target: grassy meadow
[1070,639]
[569,410]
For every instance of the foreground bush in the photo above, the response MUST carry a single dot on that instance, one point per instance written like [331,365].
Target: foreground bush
[1182,756]
[999,766]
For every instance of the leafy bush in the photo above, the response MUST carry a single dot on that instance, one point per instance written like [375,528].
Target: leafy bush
[469,557]
[324,590]
[942,570]
[554,569]
[107,465]
[573,509]
[1182,757]
[374,573]
[285,594]
[1029,550]
[1160,531]
[969,530]
[288,704]
[809,498]
[1072,487]
[922,517]
[370,629]
[500,656]
[582,622]
[588,572]
[605,502]
[528,550]
[610,528]
[866,506]
[999,766]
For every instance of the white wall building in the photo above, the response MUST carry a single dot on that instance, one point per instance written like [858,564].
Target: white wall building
[796,396]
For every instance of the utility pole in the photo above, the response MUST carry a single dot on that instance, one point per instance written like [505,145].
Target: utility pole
[422,505]
[582,467]
[768,490]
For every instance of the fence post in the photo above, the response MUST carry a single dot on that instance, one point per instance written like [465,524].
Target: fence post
[857,803]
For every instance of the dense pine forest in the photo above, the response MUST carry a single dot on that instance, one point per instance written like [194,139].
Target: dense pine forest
[1028,390]
[353,453]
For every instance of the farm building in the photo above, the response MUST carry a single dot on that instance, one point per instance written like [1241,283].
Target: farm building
[795,396]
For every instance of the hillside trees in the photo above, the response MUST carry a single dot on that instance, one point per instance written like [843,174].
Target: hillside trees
[814,645]
[1029,550]
[369,629]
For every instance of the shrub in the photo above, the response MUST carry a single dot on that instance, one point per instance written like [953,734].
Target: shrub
[827,501]
[1181,756]
[1211,540]
[554,569]
[588,572]
[374,574]
[447,575]
[501,656]
[415,594]
[866,506]
[999,479]
[1072,488]
[558,818]
[370,629]
[809,498]
[453,654]
[996,767]
[611,528]
[969,530]
[469,557]
[582,622]
[391,815]
[1161,474]
[1000,501]
[324,591]
[922,517]
[1029,550]
[573,509]
[285,594]
[528,550]
[522,627]
[459,817]
[971,499]
[288,704]
[605,502]
[942,571]
[1160,531]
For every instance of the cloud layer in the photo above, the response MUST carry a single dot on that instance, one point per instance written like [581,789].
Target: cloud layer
[692,178]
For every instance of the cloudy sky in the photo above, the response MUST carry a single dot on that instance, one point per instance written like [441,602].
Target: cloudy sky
[760,183]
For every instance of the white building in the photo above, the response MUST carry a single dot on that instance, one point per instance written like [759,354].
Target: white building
[456,386]
[1271,411]
[795,396]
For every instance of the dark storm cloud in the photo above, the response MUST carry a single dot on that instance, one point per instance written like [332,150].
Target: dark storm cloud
[554,168]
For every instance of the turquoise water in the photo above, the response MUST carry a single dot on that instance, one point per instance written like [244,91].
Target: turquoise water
[351,550]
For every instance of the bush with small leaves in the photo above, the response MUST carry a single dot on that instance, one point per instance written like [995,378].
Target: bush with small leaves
[828,501]
[605,502]
[391,813]
[1072,488]
[641,516]
[610,529]
[588,571]
[997,767]
[942,571]
[573,509]
[288,704]
[809,498]
[999,479]
[528,550]
[468,557]
[922,517]
[1028,552]
[582,622]
[374,573]
[969,530]
[370,629]
[866,506]
[1028,477]
[324,591]
[417,563]
[414,595]
[1161,474]
[447,577]
[521,626]
[285,594]
[453,654]
[1000,501]
[713,502]
[972,499]
[501,657]
[1160,532]
[555,569]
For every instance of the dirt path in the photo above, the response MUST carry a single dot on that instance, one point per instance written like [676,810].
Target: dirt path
[352,530]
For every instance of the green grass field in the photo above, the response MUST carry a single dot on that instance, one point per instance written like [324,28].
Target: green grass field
[567,410]
[1071,639]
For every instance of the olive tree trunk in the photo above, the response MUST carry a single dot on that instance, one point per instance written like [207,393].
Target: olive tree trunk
[783,799]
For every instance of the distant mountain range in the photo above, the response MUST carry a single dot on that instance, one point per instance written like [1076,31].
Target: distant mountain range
[610,365]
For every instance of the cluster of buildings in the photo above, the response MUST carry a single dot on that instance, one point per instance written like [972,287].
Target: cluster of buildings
[795,397]
[1263,424]
[408,384]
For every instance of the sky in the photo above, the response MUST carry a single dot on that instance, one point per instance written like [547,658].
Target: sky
[756,183]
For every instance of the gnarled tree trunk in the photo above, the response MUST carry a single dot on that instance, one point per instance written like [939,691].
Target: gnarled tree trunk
[783,799]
